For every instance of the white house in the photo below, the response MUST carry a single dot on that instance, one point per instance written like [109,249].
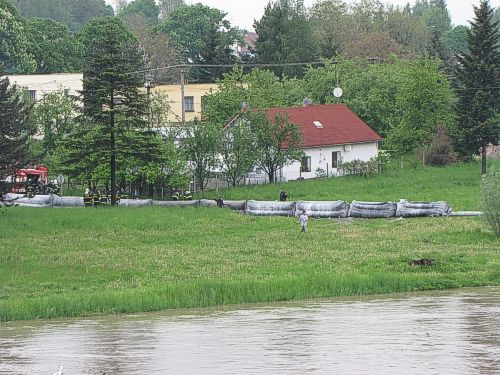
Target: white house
[331,134]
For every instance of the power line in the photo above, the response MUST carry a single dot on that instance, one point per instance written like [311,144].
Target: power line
[184,66]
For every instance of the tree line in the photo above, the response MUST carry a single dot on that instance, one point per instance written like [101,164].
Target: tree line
[105,135]
[37,32]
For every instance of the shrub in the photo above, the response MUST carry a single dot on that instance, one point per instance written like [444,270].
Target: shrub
[320,172]
[358,167]
[490,200]
[440,151]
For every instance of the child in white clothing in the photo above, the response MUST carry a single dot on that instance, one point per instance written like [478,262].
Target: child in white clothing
[303,221]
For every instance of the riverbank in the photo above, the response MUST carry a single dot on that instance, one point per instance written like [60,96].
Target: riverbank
[76,262]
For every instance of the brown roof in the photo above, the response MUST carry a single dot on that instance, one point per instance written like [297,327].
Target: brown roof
[328,124]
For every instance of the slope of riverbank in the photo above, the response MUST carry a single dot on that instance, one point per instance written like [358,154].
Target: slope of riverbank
[457,184]
[79,262]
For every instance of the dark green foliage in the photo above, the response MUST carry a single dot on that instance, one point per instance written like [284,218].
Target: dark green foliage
[14,129]
[73,13]
[14,44]
[478,82]
[54,49]
[285,35]
[112,133]
[145,8]
[204,36]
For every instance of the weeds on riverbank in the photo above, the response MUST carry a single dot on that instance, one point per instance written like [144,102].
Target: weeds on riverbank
[490,200]
[75,262]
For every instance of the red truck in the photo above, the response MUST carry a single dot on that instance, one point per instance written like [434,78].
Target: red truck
[35,177]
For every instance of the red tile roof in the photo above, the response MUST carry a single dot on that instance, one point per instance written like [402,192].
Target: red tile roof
[340,125]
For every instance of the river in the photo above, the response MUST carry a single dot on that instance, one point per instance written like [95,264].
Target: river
[444,332]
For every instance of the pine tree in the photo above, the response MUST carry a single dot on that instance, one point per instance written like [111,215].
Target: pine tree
[285,36]
[478,77]
[14,129]
[113,132]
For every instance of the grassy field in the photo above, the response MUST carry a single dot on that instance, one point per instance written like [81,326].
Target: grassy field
[457,184]
[75,262]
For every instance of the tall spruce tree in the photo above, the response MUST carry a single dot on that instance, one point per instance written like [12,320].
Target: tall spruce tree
[478,77]
[14,129]
[112,132]
[285,36]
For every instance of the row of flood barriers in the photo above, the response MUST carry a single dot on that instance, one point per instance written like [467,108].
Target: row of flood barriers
[316,209]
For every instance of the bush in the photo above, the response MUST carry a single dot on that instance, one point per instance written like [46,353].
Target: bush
[440,151]
[490,200]
[320,172]
[358,167]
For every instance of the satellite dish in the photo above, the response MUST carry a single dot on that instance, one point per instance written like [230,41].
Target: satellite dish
[337,92]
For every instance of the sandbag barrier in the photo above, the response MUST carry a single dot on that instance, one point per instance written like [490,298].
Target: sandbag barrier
[315,209]
[270,208]
[373,210]
[415,209]
[322,209]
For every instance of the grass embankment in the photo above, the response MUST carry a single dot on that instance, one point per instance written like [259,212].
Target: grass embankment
[457,184]
[75,262]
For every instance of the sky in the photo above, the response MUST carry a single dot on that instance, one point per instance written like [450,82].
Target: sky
[241,13]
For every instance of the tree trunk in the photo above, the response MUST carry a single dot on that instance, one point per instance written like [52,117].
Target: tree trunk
[483,159]
[112,162]
[270,175]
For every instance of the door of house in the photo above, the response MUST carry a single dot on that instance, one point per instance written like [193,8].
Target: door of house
[336,159]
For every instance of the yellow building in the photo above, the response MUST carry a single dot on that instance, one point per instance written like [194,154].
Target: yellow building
[193,99]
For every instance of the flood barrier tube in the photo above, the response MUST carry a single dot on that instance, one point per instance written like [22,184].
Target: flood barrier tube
[43,200]
[135,202]
[323,209]
[207,203]
[371,210]
[270,208]
[176,203]
[466,213]
[236,205]
[415,209]
[32,205]
[67,201]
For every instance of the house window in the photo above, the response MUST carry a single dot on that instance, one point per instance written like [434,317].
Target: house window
[336,159]
[305,165]
[189,104]
[258,170]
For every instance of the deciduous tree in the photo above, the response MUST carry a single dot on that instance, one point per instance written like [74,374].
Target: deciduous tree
[54,49]
[201,146]
[14,43]
[277,142]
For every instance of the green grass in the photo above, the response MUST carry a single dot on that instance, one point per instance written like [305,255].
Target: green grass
[76,262]
[457,184]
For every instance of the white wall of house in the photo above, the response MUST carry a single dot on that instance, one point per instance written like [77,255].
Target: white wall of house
[39,84]
[321,157]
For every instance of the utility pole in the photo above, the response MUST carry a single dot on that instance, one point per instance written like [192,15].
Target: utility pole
[149,85]
[183,73]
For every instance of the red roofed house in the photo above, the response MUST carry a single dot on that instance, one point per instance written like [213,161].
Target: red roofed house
[331,134]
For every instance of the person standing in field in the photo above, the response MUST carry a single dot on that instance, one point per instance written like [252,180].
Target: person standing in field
[303,221]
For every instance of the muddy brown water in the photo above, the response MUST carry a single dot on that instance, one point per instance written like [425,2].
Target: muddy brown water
[446,332]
